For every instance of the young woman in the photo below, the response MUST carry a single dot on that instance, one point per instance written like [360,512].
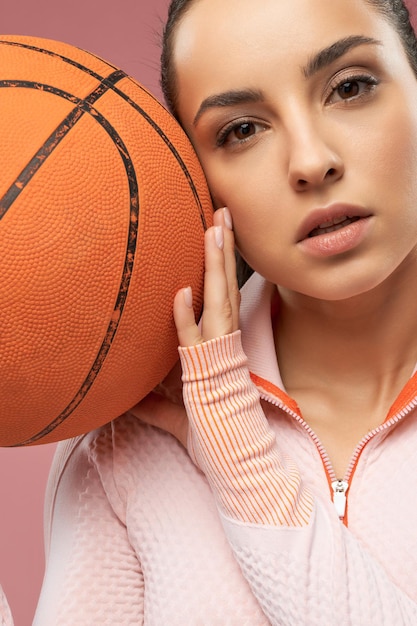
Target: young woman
[293,499]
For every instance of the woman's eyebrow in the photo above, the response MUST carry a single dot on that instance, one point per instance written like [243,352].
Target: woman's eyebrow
[336,50]
[227,99]
[322,59]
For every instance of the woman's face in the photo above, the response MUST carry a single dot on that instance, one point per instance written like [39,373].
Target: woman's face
[304,116]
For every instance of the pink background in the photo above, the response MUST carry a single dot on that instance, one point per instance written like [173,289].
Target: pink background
[125,32]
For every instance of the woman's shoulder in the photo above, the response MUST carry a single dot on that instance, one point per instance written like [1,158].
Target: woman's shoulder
[117,447]
[122,455]
[119,463]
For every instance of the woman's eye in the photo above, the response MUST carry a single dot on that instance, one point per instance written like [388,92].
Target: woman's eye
[352,89]
[349,89]
[237,133]
[243,131]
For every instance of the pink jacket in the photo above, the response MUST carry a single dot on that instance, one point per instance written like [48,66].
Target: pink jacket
[316,550]
[137,534]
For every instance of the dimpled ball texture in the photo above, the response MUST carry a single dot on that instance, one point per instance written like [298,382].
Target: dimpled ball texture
[103,208]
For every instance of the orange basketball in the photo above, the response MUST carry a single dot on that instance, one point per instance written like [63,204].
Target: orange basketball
[103,207]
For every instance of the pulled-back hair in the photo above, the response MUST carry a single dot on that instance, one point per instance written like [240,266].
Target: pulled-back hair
[176,10]
[397,14]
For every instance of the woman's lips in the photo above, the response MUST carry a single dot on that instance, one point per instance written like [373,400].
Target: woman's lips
[334,230]
[329,217]
[331,226]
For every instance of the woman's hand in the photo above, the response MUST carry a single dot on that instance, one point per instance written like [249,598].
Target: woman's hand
[164,407]
[221,292]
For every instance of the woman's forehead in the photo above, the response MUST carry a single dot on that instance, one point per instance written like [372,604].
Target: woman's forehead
[245,38]
[223,25]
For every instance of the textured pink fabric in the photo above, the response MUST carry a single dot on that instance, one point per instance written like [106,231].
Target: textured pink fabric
[140,536]
[136,538]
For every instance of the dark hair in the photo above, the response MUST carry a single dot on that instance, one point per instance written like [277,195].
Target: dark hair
[176,10]
[394,11]
[397,13]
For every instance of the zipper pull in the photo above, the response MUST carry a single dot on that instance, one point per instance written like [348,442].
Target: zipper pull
[340,488]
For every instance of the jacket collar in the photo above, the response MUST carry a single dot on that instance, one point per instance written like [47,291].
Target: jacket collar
[258,296]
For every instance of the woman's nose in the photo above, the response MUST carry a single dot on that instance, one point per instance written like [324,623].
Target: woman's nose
[313,162]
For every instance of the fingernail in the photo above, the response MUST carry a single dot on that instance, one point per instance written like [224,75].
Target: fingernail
[218,235]
[227,218]
[188,297]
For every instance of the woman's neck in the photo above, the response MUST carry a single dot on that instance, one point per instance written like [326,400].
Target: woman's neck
[369,340]
[346,362]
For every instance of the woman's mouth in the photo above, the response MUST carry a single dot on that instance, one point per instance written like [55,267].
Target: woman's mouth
[332,225]
[334,230]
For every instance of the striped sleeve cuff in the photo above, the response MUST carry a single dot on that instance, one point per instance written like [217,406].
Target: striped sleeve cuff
[230,439]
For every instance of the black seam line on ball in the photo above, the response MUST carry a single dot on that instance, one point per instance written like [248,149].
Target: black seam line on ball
[129,101]
[170,145]
[85,106]
[56,55]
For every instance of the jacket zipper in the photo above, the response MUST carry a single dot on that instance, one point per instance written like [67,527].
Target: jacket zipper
[340,486]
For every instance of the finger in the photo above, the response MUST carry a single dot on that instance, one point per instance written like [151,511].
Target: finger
[221,293]
[187,329]
[217,319]
[223,217]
